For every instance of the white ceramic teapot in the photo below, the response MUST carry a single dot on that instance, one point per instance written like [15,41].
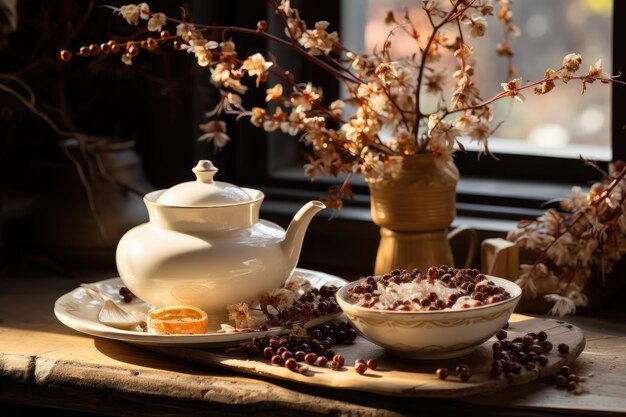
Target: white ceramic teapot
[205,246]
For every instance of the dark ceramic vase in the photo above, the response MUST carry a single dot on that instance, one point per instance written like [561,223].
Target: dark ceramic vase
[96,196]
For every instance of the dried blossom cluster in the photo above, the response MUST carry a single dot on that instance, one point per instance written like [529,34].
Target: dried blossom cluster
[293,304]
[384,94]
[587,235]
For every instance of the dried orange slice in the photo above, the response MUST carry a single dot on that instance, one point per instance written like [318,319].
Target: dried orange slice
[177,320]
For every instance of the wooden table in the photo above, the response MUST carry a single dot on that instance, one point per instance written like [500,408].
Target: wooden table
[44,363]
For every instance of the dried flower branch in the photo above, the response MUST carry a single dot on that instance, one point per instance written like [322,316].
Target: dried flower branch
[588,235]
[385,95]
[293,304]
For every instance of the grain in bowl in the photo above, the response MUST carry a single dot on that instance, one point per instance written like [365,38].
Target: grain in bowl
[440,288]
[443,313]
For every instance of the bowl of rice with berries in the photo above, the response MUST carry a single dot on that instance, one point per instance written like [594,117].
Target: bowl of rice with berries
[444,312]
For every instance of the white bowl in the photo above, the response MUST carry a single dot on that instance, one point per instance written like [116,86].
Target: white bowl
[431,334]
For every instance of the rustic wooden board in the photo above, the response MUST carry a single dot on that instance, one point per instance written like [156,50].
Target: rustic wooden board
[45,363]
[406,377]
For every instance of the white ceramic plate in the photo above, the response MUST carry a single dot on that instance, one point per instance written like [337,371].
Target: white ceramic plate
[78,310]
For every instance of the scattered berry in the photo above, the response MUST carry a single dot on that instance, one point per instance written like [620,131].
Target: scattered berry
[442,373]
[465,375]
[372,364]
[310,358]
[321,361]
[126,295]
[291,364]
[546,346]
[460,368]
[337,362]
[360,367]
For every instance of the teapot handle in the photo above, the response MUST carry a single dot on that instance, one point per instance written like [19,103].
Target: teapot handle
[473,242]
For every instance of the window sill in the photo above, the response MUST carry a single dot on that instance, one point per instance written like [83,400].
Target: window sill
[349,241]
[477,197]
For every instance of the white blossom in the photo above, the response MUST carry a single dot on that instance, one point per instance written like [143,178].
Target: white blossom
[577,200]
[256,65]
[130,12]
[477,25]
[572,62]
[215,131]
[562,305]
[511,88]
[156,21]
[318,41]
[144,11]
[239,313]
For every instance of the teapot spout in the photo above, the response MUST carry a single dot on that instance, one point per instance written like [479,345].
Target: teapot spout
[292,244]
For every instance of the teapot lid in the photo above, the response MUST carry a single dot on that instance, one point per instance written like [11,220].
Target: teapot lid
[203,192]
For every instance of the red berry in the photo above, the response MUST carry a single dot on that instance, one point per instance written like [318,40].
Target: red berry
[546,346]
[340,360]
[321,361]
[465,375]
[372,364]
[291,364]
[360,367]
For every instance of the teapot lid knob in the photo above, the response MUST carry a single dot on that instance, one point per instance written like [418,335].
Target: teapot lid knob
[204,191]
[205,170]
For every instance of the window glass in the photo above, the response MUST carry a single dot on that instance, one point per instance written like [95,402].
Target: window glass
[562,123]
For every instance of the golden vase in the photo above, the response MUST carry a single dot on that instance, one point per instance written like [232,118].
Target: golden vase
[414,205]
